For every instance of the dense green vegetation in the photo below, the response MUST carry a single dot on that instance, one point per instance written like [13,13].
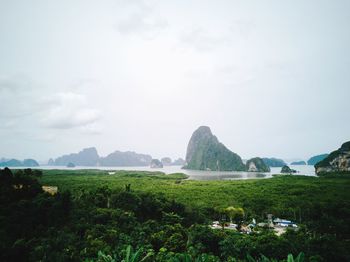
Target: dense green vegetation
[97,216]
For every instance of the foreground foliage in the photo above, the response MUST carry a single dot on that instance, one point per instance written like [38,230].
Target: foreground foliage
[142,216]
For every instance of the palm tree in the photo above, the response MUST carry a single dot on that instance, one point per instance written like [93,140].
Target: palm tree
[130,256]
[290,258]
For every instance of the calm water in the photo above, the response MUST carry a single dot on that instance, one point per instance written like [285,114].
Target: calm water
[201,175]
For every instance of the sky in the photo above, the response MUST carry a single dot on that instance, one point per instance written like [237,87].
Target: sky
[270,78]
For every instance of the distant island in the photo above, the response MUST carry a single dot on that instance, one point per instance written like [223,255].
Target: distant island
[128,158]
[315,159]
[155,163]
[166,161]
[298,163]
[70,165]
[89,157]
[18,163]
[178,162]
[274,162]
[86,157]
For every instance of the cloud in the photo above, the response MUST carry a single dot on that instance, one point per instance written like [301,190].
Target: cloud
[7,84]
[18,97]
[236,75]
[91,129]
[84,84]
[14,83]
[242,28]
[203,40]
[207,39]
[69,110]
[141,24]
[7,124]
[26,103]
[47,137]
[144,22]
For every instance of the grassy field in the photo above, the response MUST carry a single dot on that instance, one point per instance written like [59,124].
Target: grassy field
[291,196]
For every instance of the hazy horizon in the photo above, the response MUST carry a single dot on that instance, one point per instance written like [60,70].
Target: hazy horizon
[269,78]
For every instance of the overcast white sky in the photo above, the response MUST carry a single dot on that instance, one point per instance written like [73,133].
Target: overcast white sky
[271,78]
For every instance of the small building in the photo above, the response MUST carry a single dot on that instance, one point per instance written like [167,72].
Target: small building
[284,223]
[232,226]
[217,225]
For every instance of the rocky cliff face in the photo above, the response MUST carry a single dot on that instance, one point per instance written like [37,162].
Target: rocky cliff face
[256,164]
[205,152]
[337,161]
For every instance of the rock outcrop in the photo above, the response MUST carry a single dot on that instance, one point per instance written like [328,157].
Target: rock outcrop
[315,159]
[274,162]
[256,164]
[287,170]
[337,161]
[205,152]
[155,163]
